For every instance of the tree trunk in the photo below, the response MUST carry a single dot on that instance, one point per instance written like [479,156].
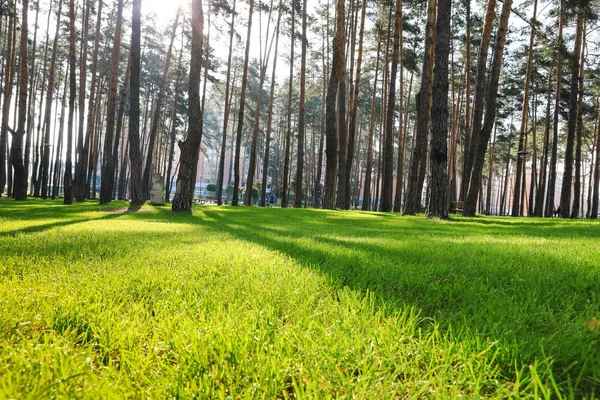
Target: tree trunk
[46,148]
[438,158]
[227,108]
[286,157]
[596,192]
[540,198]
[108,161]
[522,160]
[265,176]
[387,190]
[464,186]
[20,177]
[238,139]
[331,116]
[478,101]
[79,180]
[172,136]
[554,157]
[484,134]
[575,212]
[566,188]
[135,155]
[8,79]
[301,116]
[68,180]
[418,163]
[157,110]
[190,148]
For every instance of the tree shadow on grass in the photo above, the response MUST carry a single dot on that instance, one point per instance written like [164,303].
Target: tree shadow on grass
[531,301]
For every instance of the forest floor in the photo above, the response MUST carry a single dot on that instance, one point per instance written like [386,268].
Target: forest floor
[246,302]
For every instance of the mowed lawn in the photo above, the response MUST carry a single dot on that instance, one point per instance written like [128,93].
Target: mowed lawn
[294,303]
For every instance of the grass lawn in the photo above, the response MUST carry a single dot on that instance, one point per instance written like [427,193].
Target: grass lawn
[285,303]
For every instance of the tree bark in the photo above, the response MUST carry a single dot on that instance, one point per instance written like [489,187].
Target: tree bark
[238,139]
[190,148]
[484,134]
[68,180]
[8,79]
[301,116]
[79,180]
[157,109]
[135,155]
[108,161]
[418,163]
[438,158]
[331,116]
[20,177]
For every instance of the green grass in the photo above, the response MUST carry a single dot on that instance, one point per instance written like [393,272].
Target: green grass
[284,303]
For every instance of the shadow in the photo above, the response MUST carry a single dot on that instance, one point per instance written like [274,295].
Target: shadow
[471,277]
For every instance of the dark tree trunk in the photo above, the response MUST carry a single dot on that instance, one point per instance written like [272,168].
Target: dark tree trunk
[8,78]
[79,180]
[190,148]
[20,177]
[301,116]
[227,108]
[438,187]
[240,126]
[157,110]
[478,101]
[484,134]
[331,115]
[540,199]
[68,180]
[286,157]
[418,163]
[135,154]
[108,161]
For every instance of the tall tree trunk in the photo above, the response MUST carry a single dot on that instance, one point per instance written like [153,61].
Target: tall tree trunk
[478,101]
[522,160]
[418,163]
[172,136]
[32,89]
[20,179]
[388,158]
[46,148]
[301,115]
[559,69]
[464,186]
[331,116]
[596,173]
[566,189]
[8,79]
[484,134]
[68,180]
[79,180]
[265,177]
[540,195]
[120,113]
[108,161]
[135,154]
[286,157]
[575,212]
[366,205]
[59,143]
[240,126]
[190,148]
[227,109]
[157,110]
[438,186]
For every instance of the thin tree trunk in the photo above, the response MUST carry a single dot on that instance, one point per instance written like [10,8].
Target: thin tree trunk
[238,139]
[559,67]
[286,157]
[418,164]
[46,149]
[540,195]
[301,115]
[478,101]
[468,131]
[68,179]
[263,195]
[227,108]
[8,79]
[157,109]
[484,134]
[596,192]
[108,161]
[575,213]
[521,161]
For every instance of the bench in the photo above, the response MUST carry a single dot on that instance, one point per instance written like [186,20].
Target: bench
[456,206]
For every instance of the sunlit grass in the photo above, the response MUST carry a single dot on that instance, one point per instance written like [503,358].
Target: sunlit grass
[284,303]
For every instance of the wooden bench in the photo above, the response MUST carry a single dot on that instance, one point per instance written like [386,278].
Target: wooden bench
[456,206]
